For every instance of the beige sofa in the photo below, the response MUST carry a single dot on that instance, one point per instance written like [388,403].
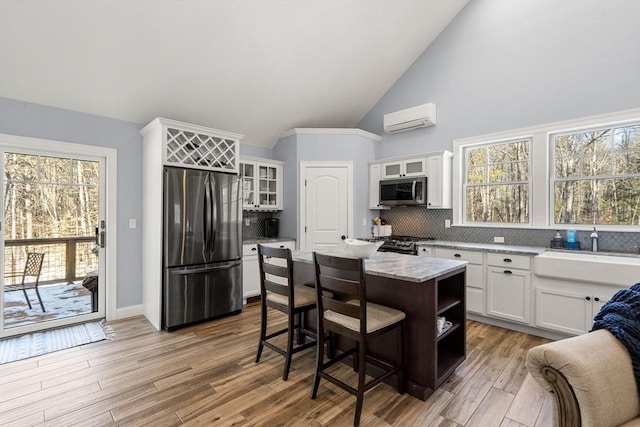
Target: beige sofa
[591,379]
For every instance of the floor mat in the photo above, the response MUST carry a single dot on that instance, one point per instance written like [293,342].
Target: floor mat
[37,343]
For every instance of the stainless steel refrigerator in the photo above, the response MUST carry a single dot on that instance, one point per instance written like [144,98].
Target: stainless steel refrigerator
[202,246]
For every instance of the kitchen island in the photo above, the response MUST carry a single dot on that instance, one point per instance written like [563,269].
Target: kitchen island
[424,289]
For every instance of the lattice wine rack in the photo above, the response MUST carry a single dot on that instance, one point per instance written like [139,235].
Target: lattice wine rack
[197,149]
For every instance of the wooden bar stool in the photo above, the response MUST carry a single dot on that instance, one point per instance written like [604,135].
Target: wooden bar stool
[347,313]
[279,292]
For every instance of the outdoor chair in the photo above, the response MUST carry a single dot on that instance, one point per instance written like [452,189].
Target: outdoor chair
[32,268]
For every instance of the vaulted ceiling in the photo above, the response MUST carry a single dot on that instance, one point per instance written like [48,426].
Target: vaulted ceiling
[255,67]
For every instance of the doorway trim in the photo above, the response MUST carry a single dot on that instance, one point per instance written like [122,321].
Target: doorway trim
[303,195]
[47,146]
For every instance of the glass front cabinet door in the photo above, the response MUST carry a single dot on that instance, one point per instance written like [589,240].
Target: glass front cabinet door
[261,185]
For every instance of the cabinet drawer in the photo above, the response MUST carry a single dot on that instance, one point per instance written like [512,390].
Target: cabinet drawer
[473,257]
[522,262]
[290,244]
[250,249]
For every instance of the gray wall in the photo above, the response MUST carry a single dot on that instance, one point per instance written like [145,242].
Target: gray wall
[254,151]
[504,65]
[37,121]
[287,150]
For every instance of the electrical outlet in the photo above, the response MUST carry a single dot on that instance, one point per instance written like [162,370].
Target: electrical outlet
[447,223]
[132,223]
[498,240]
[247,222]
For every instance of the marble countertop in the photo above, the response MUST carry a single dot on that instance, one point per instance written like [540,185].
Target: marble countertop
[266,240]
[491,247]
[392,265]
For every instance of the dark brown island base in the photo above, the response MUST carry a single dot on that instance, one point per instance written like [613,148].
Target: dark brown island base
[424,289]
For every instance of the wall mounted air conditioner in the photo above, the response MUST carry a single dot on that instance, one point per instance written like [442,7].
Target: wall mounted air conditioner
[412,118]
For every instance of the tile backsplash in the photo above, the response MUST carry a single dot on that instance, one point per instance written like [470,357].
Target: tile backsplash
[255,228]
[423,222]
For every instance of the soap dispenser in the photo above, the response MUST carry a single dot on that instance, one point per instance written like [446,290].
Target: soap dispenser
[571,242]
[557,241]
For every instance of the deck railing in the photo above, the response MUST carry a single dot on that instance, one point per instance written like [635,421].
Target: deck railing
[66,258]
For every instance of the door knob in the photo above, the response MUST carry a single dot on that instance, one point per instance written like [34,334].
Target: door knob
[343,237]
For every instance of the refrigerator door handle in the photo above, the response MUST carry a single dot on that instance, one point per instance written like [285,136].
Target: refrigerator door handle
[187,271]
[214,213]
[206,218]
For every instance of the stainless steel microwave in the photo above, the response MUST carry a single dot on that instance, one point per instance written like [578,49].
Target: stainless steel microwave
[403,191]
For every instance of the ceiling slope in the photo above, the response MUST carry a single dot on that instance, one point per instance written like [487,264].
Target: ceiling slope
[253,67]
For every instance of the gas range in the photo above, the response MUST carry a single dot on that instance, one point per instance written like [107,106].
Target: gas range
[401,244]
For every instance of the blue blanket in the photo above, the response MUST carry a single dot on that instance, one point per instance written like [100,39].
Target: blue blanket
[621,316]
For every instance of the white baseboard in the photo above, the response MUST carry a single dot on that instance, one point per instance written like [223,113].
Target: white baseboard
[130,311]
[552,335]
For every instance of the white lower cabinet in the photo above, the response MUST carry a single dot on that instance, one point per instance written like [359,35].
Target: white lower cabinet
[425,251]
[509,286]
[509,294]
[570,311]
[251,269]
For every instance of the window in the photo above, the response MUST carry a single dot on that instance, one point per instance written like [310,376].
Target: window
[595,176]
[571,174]
[496,182]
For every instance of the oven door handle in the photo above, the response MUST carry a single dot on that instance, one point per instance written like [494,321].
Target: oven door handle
[413,190]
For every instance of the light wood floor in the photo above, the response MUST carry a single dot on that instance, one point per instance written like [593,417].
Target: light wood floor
[206,375]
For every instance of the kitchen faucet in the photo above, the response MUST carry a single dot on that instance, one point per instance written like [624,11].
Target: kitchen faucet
[594,240]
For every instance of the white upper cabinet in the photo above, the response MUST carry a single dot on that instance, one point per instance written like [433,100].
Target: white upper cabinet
[374,187]
[404,168]
[435,166]
[192,146]
[439,180]
[261,184]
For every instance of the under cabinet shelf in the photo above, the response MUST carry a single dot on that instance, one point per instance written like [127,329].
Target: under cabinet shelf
[454,326]
[446,302]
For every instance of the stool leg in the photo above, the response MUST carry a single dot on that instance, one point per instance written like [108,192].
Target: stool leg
[319,360]
[289,354]
[263,329]
[361,377]
[299,335]
[400,357]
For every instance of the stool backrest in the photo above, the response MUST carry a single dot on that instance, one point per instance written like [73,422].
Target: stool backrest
[339,280]
[276,277]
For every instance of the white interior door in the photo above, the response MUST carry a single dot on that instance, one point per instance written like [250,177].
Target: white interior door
[326,208]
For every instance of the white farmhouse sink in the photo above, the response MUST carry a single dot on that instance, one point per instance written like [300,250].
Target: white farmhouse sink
[588,267]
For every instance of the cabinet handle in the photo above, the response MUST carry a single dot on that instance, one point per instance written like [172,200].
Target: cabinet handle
[424,249]
[253,249]
[588,298]
[508,272]
[507,260]
[281,246]
[596,299]
[457,255]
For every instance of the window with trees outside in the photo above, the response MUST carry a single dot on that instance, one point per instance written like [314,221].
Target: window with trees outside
[595,176]
[50,204]
[496,182]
